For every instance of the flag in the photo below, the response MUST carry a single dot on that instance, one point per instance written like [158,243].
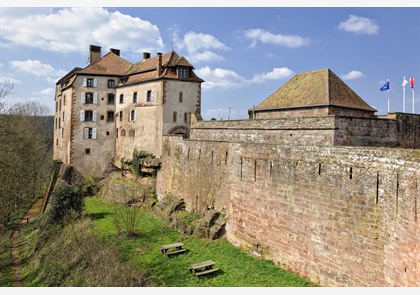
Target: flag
[405,82]
[385,87]
[412,82]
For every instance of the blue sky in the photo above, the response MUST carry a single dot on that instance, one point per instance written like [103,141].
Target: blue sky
[243,53]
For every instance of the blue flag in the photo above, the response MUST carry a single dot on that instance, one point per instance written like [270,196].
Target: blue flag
[385,87]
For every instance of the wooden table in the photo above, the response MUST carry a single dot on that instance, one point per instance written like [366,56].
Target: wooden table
[171,249]
[203,268]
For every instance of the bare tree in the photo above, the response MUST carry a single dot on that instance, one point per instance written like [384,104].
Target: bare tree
[24,154]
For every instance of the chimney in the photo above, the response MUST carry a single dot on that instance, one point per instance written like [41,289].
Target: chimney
[159,64]
[146,55]
[95,53]
[115,51]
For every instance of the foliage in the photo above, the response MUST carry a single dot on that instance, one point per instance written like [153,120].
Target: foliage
[89,187]
[238,269]
[25,157]
[71,256]
[6,260]
[64,200]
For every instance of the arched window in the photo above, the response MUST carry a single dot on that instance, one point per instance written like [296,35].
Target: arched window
[122,132]
[131,133]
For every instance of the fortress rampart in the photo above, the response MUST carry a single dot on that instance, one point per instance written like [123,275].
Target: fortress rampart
[292,193]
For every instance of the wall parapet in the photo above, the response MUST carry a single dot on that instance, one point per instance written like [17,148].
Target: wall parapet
[337,215]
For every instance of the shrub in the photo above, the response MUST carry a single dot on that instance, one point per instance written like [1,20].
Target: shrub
[65,200]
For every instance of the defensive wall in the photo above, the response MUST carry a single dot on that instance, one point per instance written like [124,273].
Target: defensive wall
[337,215]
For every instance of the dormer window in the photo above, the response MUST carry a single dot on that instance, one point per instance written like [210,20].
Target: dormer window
[182,73]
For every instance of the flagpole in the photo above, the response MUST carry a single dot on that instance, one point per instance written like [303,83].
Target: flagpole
[388,101]
[413,100]
[404,99]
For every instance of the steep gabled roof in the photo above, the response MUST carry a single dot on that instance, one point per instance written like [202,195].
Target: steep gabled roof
[146,69]
[109,64]
[315,88]
[149,64]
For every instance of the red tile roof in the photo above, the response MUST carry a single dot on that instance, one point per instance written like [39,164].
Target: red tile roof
[109,64]
[315,88]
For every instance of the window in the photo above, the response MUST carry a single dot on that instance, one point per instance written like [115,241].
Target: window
[133,115]
[131,133]
[89,133]
[135,97]
[56,106]
[89,97]
[90,83]
[88,116]
[121,98]
[185,117]
[102,117]
[111,84]
[59,106]
[110,116]
[64,101]
[174,117]
[64,116]
[87,151]
[121,116]
[122,132]
[111,98]
[180,97]
[182,73]
[149,95]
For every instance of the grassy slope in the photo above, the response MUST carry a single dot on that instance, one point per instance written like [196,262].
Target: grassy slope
[238,269]
[6,260]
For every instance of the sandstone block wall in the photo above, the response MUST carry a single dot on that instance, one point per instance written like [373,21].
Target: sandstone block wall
[339,216]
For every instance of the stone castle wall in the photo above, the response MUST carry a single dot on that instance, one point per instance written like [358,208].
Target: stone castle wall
[339,216]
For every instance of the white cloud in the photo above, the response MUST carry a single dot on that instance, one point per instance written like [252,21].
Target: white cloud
[35,67]
[9,79]
[359,25]
[226,114]
[48,92]
[275,74]
[227,79]
[220,78]
[263,36]
[352,75]
[200,47]
[74,29]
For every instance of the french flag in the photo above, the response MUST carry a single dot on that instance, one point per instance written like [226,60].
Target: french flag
[412,82]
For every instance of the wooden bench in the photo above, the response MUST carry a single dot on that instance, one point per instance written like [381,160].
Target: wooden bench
[203,268]
[172,249]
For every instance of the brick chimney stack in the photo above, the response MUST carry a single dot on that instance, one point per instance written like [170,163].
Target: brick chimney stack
[115,51]
[94,53]
[159,64]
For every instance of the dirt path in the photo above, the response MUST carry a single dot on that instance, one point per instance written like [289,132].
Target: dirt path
[29,217]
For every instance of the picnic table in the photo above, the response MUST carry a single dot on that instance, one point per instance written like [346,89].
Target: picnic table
[171,249]
[203,268]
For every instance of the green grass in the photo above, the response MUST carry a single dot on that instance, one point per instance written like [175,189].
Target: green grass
[6,260]
[237,268]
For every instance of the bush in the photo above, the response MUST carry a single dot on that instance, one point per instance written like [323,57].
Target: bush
[65,200]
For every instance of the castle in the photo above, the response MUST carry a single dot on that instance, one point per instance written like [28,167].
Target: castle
[314,181]
[110,108]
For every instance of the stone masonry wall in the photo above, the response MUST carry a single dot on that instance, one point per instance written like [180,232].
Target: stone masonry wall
[399,130]
[339,216]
